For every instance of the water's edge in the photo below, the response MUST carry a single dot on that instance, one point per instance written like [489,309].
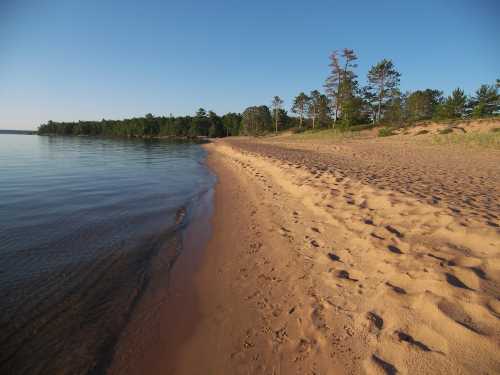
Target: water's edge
[167,311]
[169,256]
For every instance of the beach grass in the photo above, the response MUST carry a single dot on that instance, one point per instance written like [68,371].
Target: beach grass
[489,140]
[327,134]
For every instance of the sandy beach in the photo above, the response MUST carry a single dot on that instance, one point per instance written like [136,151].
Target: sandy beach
[315,271]
[322,261]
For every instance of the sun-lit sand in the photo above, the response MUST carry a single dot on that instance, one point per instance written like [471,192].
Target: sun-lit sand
[312,271]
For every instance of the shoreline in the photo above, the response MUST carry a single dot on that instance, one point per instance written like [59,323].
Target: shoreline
[167,313]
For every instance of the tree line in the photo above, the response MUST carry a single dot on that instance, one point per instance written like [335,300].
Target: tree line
[343,104]
[202,124]
[346,103]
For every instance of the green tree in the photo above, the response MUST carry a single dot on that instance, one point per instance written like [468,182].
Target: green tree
[256,120]
[351,103]
[277,105]
[314,106]
[300,106]
[395,109]
[453,107]
[341,77]
[383,80]
[324,112]
[422,104]
[232,123]
[370,103]
[200,124]
[485,101]
[283,119]
[216,129]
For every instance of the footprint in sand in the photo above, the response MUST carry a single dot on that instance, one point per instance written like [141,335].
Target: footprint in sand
[368,221]
[375,235]
[394,249]
[314,243]
[439,258]
[395,288]
[492,224]
[285,229]
[394,231]
[479,272]
[455,281]
[456,312]
[334,257]
[377,321]
[410,340]
[343,274]
[388,368]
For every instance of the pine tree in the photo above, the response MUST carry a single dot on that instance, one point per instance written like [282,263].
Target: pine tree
[454,106]
[384,81]
[314,106]
[277,104]
[300,105]
[341,72]
[485,101]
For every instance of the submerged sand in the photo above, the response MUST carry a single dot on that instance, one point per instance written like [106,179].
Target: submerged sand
[313,269]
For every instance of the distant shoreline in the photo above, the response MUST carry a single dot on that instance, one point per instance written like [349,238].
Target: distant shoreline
[168,137]
[22,132]
[199,139]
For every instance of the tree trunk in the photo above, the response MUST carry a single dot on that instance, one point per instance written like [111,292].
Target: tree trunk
[380,96]
[276,121]
[300,123]
[379,105]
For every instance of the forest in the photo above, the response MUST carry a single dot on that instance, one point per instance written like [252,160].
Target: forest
[343,104]
[202,124]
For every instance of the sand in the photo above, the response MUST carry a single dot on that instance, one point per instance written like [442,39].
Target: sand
[325,260]
[318,271]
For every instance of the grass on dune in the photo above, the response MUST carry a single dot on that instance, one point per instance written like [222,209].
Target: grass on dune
[489,140]
[326,134]
[483,140]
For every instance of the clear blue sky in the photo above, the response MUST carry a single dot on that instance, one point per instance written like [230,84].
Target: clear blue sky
[93,59]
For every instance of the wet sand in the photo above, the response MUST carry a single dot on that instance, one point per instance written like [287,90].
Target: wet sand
[167,313]
[312,270]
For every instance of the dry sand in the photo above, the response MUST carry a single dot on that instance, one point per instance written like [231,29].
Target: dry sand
[315,270]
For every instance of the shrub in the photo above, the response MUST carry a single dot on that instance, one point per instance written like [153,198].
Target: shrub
[385,132]
[298,130]
[446,131]
[423,131]
[357,128]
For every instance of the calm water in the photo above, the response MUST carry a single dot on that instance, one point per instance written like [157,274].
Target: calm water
[80,220]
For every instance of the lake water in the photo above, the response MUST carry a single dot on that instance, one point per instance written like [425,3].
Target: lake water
[80,220]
